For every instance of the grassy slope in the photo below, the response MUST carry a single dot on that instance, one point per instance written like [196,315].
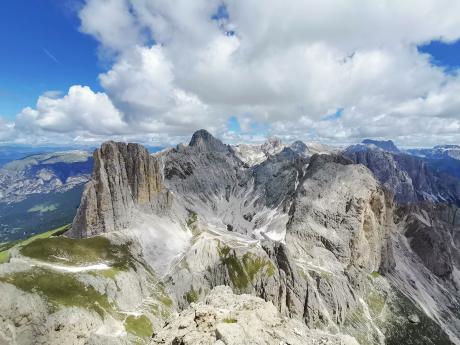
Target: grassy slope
[6,247]
[63,289]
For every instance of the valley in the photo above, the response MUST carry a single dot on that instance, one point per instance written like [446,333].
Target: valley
[192,244]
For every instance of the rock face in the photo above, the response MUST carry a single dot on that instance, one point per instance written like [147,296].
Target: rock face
[433,231]
[256,154]
[386,145]
[225,318]
[319,237]
[341,220]
[410,178]
[125,176]
[438,152]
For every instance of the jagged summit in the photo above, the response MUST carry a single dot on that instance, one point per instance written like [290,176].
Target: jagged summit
[205,141]
[386,145]
[319,237]
[298,146]
[256,154]
[124,176]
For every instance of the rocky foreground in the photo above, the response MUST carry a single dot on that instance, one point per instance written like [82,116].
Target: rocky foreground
[313,246]
[226,318]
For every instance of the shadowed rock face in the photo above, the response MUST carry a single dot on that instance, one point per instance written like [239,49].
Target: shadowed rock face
[433,232]
[386,145]
[409,178]
[202,140]
[307,233]
[125,176]
[428,202]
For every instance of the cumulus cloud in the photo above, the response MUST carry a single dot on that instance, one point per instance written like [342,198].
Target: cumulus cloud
[278,68]
[79,111]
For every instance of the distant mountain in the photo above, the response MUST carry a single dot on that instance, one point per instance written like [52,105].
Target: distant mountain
[314,246]
[256,154]
[9,153]
[41,191]
[309,149]
[438,152]
[442,158]
[410,178]
[386,145]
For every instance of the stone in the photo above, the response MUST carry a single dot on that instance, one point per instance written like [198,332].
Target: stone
[125,177]
[414,318]
[226,318]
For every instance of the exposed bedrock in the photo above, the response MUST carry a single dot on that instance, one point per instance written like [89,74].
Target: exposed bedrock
[226,318]
[125,176]
[336,231]
[313,234]
[433,233]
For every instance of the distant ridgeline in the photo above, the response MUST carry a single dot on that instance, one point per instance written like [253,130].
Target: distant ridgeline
[41,191]
[314,244]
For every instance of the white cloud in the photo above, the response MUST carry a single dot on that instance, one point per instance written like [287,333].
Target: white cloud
[81,110]
[142,85]
[111,23]
[287,65]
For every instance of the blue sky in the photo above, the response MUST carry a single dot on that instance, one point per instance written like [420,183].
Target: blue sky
[41,50]
[445,55]
[242,68]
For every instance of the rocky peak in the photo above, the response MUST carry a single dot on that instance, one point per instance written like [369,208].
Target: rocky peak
[204,141]
[299,146]
[227,318]
[272,146]
[125,177]
[410,178]
[386,145]
[256,154]
[306,150]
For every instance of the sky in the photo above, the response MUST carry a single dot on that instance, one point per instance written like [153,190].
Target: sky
[78,72]
[42,50]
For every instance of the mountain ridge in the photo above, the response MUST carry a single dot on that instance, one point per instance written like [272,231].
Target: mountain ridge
[343,241]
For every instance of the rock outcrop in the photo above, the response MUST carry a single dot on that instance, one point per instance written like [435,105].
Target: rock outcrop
[386,145]
[410,178]
[226,318]
[318,237]
[332,217]
[125,177]
[256,154]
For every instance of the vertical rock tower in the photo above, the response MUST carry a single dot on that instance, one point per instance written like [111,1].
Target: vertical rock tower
[125,178]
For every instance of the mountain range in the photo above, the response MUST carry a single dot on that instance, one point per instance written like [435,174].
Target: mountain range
[41,191]
[208,243]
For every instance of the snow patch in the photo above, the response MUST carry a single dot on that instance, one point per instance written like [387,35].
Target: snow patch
[64,268]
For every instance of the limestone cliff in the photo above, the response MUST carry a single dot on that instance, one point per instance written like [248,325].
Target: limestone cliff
[226,318]
[125,177]
[316,235]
